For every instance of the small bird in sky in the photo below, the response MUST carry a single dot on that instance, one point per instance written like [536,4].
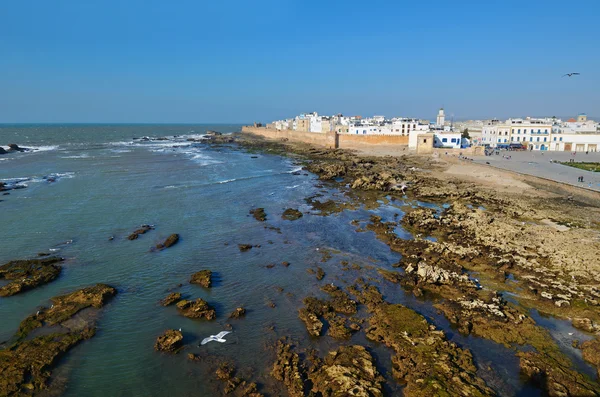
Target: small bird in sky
[570,74]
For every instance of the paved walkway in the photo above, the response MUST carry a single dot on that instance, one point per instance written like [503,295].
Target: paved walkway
[538,164]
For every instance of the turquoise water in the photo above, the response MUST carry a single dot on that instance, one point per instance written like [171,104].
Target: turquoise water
[108,183]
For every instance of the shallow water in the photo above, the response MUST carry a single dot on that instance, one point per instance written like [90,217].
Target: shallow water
[107,184]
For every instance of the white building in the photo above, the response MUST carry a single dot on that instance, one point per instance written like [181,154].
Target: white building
[450,140]
[441,118]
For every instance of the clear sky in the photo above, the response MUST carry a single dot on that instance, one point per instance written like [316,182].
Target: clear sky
[240,61]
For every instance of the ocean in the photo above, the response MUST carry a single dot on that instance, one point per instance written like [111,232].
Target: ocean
[86,187]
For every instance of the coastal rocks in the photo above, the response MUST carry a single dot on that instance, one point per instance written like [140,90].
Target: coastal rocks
[235,385]
[347,371]
[66,306]
[327,170]
[287,369]
[312,322]
[591,352]
[172,298]
[196,309]
[28,274]
[25,366]
[171,341]
[316,310]
[425,360]
[435,275]
[142,230]
[320,273]
[586,324]
[238,313]
[202,278]
[556,379]
[2,151]
[259,214]
[169,242]
[383,181]
[291,214]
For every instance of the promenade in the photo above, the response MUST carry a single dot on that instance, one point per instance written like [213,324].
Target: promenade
[538,164]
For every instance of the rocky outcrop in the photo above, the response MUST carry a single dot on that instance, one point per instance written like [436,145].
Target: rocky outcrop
[202,278]
[26,366]
[245,247]
[66,306]
[13,147]
[555,378]
[327,170]
[591,352]
[235,385]
[315,311]
[586,324]
[169,242]
[259,214]
[291,214]
[347,371]
[142,230]
[238,312]
[425,360]
[287,369]
[196,309]
[436,275]
[311,320]
[28,274]
[171,341]
[172,298]
[2,151]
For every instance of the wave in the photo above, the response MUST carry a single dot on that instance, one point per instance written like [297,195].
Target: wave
[80,156]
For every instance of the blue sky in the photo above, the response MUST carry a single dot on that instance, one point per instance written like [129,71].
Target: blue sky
[240,61]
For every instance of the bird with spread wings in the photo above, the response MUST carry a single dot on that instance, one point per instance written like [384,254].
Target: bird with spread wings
[571,74]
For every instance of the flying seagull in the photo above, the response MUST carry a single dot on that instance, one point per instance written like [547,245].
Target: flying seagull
[570,74]
[217,338]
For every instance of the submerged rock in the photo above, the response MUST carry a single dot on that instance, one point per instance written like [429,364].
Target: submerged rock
[196,309]
[347,371]
[202,278]
[171,341]
[259,214]
[142,230]
[13,147]
[245,247]
[170,241]
[28,274]
[172,298]
[291,214]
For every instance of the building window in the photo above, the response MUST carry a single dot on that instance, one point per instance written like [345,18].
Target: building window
[519,131]
[530,139]
[538,138]
[444,140]
[546,130]
[499,140]
[453,140]
[544,139]
[560,139]
[554,139]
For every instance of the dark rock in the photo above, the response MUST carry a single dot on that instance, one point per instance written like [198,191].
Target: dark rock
[245,247]
[291,214]
[2,150]
[237,313]
[170,241]
[171,341]
[287,369]
[259,214]
[320,273]
[172,298]
[196,309]
[15,148]
[202,278]
[28,274]
[286,264]
[142,230]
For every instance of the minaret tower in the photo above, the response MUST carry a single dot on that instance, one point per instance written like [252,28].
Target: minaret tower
[441,118]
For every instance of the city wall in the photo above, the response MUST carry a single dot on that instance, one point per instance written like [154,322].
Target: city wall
[332,139]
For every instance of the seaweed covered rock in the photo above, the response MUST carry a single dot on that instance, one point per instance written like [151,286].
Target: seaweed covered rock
[591,352]
[555,378]
[425,360]
[28,274]
[347,371]
[311,320]
[142,230]
[169,242]
[245,247]
[287,369]
[259,214]
[291,214]
[237,313]
[172,298]
[202,278]
[66,306]
[171,341]
[25,368]
[196,309]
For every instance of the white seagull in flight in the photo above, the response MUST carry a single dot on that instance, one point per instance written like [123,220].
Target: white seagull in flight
[217,338]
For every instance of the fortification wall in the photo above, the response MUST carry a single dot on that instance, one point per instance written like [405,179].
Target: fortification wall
[347,141]
[315,138]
